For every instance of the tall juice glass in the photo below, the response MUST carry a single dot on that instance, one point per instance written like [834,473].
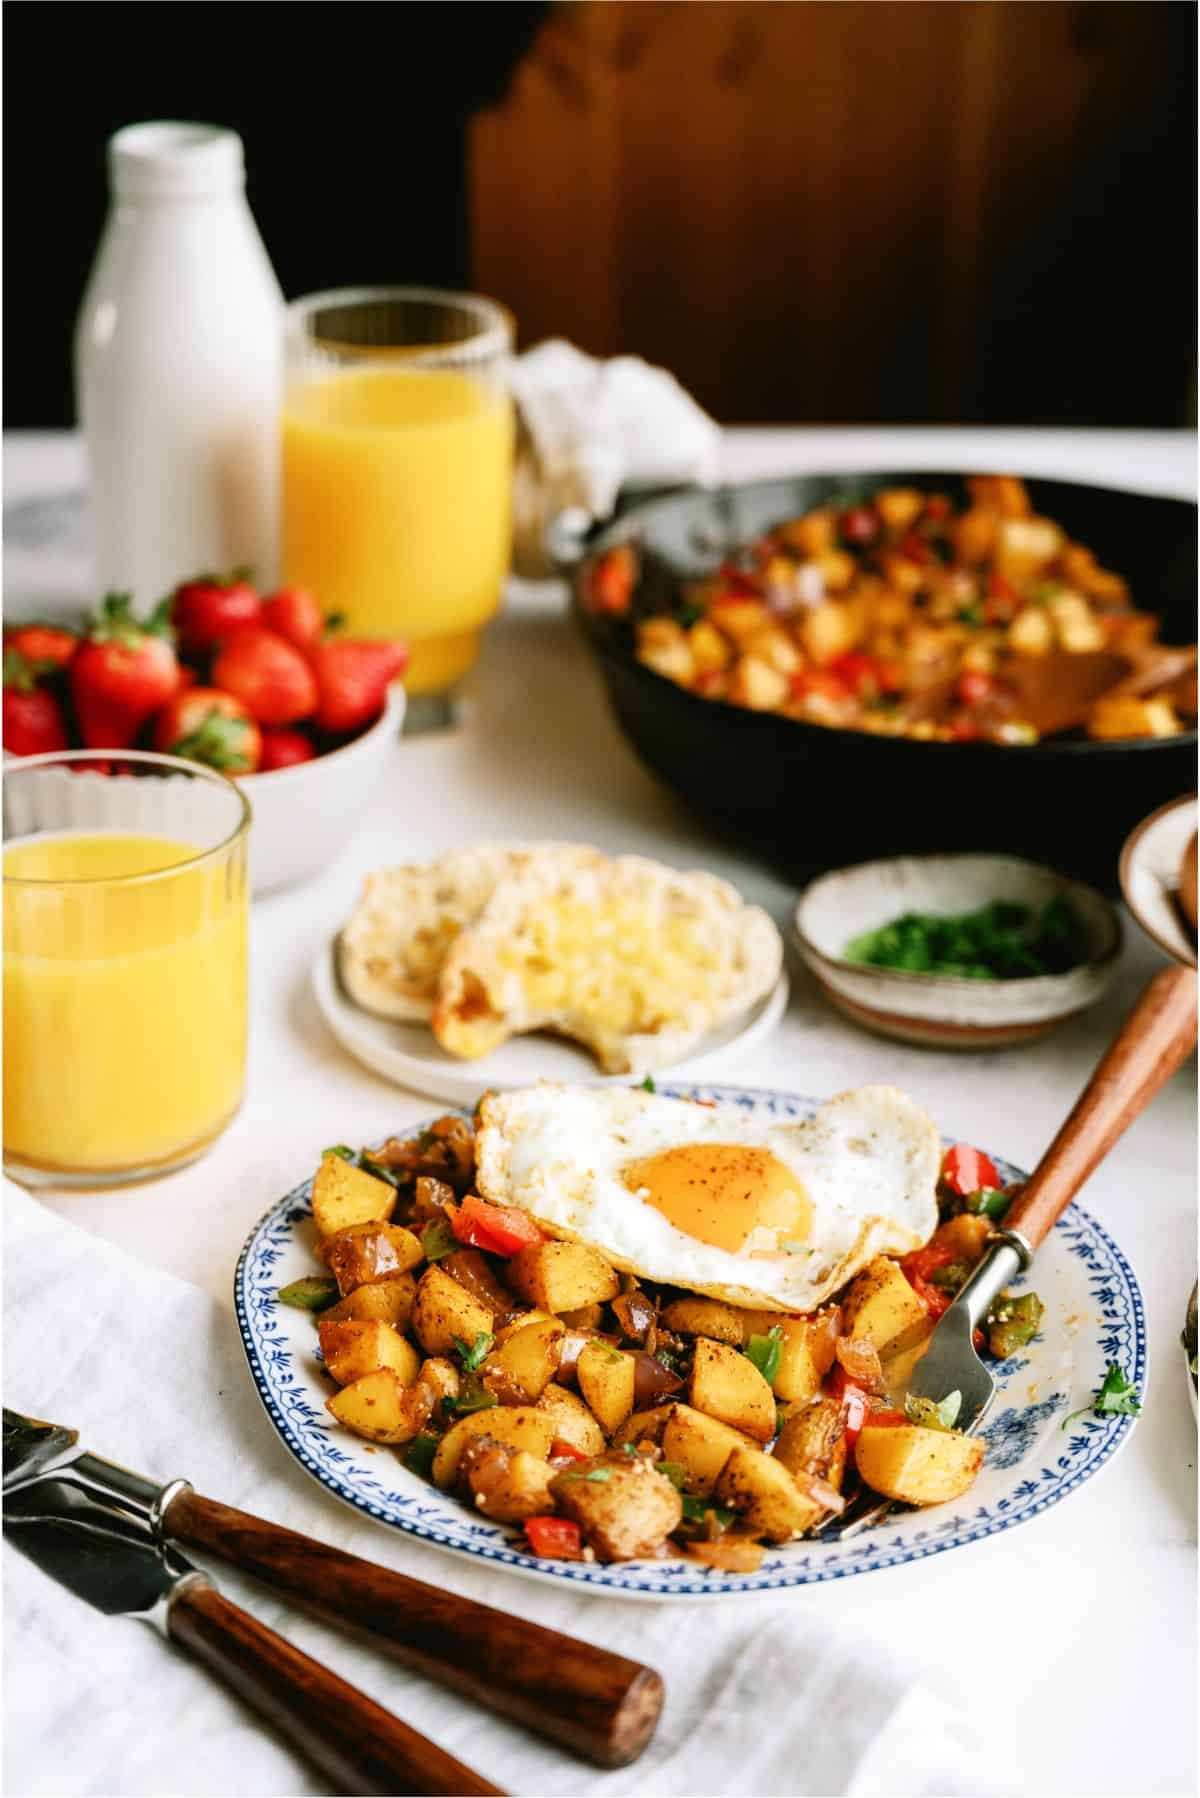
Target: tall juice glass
[125,914]
[397,467]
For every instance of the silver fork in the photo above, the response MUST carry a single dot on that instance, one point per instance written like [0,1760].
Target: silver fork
[1155,1039]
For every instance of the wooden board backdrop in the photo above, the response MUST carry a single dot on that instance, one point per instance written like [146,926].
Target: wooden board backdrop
[845,211]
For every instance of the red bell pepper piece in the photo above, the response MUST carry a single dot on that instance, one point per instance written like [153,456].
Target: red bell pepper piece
[973,686]
[966,1170]
[917,1269]
[913,548]
[556,1538]
[497,1229]
[854,1401]
[561,1450]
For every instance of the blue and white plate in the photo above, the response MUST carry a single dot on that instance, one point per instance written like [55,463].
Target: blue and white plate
[1094,1315]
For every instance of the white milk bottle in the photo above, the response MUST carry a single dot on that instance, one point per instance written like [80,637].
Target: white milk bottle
[179,368]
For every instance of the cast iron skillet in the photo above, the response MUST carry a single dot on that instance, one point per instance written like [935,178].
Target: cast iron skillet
[810,798]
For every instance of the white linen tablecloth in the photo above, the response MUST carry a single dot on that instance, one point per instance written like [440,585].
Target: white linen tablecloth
[1068,1646]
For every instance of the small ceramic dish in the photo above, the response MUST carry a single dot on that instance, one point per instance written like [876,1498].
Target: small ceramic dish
[1150,867]
[943,1011]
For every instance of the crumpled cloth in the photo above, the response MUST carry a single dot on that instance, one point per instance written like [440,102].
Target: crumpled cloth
[591,426]
[767,1696]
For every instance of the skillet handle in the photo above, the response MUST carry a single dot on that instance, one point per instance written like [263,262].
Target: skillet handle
[1155,1039]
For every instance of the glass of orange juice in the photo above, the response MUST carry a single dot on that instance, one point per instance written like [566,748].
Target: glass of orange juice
[397,468]
[125,923]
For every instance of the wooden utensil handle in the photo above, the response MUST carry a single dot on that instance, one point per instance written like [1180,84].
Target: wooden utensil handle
[600,1705]
[1155,1039]
[358,1745]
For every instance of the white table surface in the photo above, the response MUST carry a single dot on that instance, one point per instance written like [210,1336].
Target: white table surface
[1083,1622]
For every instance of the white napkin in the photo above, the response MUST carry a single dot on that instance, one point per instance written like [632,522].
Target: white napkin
[765,1696]
[592,427]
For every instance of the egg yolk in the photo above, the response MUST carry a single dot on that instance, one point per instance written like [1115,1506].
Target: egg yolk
[732,1195]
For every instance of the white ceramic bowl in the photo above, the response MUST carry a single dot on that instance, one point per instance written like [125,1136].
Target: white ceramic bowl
[302,815]
[938,1010]
[1150,870]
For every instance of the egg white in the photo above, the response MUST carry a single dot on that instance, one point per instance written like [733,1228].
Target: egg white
[868,1160]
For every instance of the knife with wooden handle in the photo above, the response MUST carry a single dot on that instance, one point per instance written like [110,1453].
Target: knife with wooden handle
[103,1557]
[599,1705]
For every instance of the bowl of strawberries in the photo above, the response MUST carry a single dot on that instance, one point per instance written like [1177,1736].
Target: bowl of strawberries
[262,687]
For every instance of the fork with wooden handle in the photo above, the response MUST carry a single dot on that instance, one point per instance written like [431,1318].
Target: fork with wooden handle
[1154,1040]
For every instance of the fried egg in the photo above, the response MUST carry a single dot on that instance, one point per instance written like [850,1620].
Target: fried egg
[715,1198]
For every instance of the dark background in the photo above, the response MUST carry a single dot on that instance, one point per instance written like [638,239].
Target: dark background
[902,212]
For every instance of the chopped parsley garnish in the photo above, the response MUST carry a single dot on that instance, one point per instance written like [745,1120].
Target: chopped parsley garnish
[473,1354]
[1117,1397]
[766,1352]
[648,1085]
[418,1456]
[314,1293]
[932,1416]
[438,1239]
[1003,940]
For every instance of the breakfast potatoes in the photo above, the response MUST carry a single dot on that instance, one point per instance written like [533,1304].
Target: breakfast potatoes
[551,1392]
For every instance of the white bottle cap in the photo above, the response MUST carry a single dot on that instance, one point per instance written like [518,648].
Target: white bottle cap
[167,160]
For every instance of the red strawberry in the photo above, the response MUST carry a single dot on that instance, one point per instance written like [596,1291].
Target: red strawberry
[284,749]
[204,725]
[121,674]
[353,678]
[33,720]
[45,643]
[210,608]
[268,674]
[295,614]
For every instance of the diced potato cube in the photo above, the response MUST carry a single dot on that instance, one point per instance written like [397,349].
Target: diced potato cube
[813,1442]
[916,1465]
[522,1367]
[838,568]
[728,1386]
[776,649]
[520,1323]
[606,1380]
[572,1420]
[699,1444]
[353,1347]
[756,684]
[881,1307]
[375,1407]
[1119,717]
[709,648]
[643,1426]
[966,1234]
[828,631]
[1078,627]
[520,1426]
[363,1253]
[508,1485]
[704,1317]
[899,507]
[1031,633]
[343,1195]
[663,646]
[974,534]
[764,1494]
[811,535]
[446,1313]
[1024,545]
[1000,493]
[561,1276]
[739,617]
[625,1515]
[384,1301]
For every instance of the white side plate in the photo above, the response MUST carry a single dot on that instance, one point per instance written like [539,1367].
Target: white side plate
[409,1055]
